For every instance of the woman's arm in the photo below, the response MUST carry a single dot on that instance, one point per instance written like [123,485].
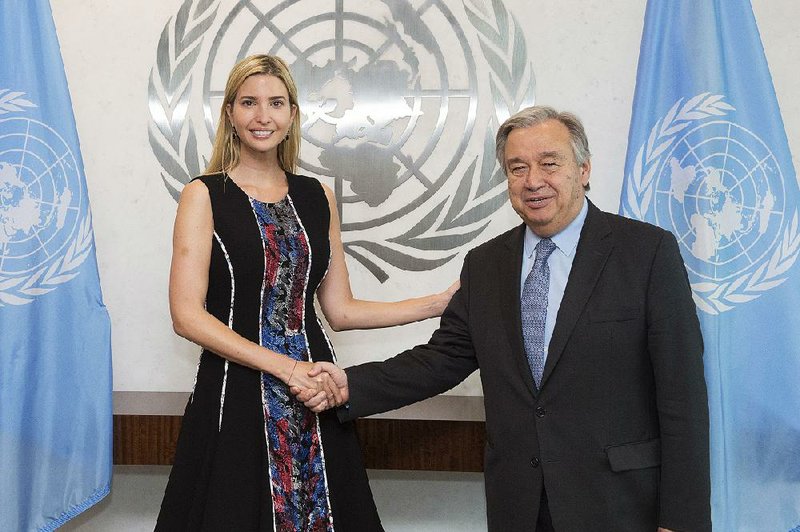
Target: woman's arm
[345,312]
[188,283]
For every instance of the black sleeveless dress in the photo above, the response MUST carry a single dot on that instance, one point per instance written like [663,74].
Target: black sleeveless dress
[249,456]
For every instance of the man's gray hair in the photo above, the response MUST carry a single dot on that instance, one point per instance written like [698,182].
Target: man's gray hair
[532,116]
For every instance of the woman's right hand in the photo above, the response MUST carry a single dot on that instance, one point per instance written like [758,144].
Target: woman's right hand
[320,384]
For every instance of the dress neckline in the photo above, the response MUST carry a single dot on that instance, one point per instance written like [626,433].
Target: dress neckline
[285,197]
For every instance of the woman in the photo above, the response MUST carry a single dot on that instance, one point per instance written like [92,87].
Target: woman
[252,244]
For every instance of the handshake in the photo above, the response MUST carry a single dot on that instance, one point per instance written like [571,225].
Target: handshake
[319,385]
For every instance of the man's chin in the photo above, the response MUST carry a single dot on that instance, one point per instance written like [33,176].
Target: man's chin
[540,225]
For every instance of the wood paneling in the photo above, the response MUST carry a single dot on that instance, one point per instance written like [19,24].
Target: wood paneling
[386,443]
[145,440]
[422,444]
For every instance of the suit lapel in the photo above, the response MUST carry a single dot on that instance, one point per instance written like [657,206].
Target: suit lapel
[594,247]
[509,272]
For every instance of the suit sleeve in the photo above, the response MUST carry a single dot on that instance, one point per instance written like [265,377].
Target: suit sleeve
[675,344]
[421,372]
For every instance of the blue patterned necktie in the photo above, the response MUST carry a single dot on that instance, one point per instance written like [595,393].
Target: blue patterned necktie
[533,308]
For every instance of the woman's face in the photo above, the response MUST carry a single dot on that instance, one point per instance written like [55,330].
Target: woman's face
[261,114]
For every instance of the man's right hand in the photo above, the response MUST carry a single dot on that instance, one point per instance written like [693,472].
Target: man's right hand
[318,401]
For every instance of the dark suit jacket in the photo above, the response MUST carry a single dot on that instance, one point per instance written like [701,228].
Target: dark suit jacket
[618,432]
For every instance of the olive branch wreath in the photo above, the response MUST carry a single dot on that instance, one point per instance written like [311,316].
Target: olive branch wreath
[22,289]
[174,143]
[13,101]
[171,134]
[710,297]
[503,45]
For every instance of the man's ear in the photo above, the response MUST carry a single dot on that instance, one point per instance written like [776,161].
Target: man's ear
[586,170]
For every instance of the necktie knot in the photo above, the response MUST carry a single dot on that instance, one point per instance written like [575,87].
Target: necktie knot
[543,249]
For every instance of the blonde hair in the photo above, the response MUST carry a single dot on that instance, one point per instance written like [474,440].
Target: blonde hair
[225,154]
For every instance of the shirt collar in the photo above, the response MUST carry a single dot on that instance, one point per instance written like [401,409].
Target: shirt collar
[566,241]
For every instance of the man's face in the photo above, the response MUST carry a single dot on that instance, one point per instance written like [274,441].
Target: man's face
[545,183]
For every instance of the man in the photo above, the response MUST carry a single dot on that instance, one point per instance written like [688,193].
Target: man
[591,364]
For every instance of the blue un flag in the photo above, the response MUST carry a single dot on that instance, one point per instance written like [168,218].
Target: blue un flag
[55,348]
[708,159]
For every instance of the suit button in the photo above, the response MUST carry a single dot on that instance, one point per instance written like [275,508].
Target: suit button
[535,462]
[540,411]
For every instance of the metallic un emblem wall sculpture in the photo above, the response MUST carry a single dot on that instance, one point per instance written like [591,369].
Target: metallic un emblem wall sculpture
[400,101]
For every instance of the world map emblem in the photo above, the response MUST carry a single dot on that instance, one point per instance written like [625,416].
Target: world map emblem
[45,227]
[719,188]
[399,99]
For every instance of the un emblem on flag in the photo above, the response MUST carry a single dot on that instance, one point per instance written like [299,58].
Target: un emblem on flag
[45,229]
[398,103]
[719,188]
